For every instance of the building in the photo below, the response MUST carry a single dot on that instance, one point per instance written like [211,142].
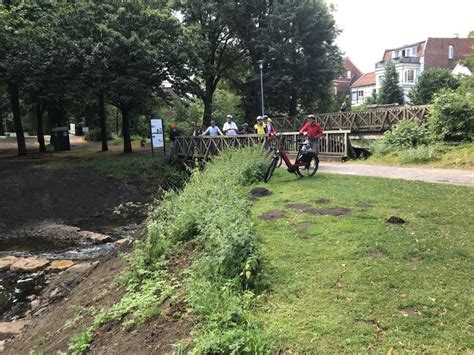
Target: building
[363,88]
[342,85]
[411,60]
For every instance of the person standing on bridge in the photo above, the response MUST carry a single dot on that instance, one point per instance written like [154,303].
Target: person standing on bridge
[313,131]
[213,130]
[230,128]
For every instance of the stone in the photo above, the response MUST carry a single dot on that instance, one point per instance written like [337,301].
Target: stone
[6,262]
[2,346]
[28,264]
[122,241]
[59,265]
[14,327]
[95,238]
[35,304]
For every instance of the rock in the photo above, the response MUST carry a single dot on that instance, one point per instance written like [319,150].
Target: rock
[2,346]
[55,293]
[121,242]
[14,327]
[95,238]
[6,262]
[28,264]
[59,265]
[35,304]
[31,298]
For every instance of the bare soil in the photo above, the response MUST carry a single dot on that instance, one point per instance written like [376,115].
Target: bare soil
[380,255]
[273,214]
[298,207]
[339,211]
[258,192]
[395,220]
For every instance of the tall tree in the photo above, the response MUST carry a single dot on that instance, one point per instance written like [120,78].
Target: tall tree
[430,82]
[391,92]
[212,48]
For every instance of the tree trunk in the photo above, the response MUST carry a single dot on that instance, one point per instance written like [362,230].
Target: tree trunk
[293,104]
[207,101]
[127,142]
[2,127]
[15,103]
[103,123]
[40,129]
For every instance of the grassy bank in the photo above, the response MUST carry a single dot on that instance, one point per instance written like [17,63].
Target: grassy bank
[354,283]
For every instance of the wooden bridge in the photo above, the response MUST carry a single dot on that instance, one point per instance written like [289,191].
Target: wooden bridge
[333,144]
[370,121]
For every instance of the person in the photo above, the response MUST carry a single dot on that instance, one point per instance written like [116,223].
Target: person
[260,127]
[230,128]
[343,107]
[269,129]
[246,129]
[213,130]
[313,131]
[173,134]
[197,130]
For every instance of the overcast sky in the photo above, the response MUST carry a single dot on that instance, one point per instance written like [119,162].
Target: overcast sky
[371,26]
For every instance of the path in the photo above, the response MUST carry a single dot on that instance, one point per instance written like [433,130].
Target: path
[440,176]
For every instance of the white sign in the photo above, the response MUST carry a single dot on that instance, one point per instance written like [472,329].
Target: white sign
[157,134]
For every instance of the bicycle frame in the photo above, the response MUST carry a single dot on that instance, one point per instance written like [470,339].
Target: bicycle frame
[291,166]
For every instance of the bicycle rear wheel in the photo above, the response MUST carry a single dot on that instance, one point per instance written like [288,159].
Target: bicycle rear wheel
[270,169]
[310,168]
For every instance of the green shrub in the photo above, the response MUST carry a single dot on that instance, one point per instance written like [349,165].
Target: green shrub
[95,135]
[406,134]
[452,115]
[422,154]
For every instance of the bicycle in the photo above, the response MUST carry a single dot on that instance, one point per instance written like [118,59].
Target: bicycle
[306,162]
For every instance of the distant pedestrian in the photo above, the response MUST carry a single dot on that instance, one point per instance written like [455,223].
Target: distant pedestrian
[230,128]
[313,131]
[343,107]
[260,127]
[213,130]
[246,129]
[197,130]
[174,132]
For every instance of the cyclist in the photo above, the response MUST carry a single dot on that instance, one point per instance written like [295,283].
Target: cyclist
[313,131]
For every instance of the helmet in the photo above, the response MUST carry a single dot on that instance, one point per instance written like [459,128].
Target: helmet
[259,118]
[269,120]
[229,116]
[311,116]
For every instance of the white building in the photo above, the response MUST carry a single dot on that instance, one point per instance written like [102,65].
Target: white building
[363,88]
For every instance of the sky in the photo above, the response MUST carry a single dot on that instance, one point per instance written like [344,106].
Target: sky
[371,26]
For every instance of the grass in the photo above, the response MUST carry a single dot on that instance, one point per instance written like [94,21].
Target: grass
[449,156]
[354,283]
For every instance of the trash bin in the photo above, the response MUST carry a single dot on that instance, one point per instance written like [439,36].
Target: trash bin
[60,139]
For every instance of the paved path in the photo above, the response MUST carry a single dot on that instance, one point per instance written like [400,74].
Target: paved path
[440,176]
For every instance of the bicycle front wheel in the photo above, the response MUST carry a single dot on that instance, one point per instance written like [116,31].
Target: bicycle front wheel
[310,168]
[270,169]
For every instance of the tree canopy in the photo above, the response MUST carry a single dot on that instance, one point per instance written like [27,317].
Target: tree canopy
[391,92]
[430,82]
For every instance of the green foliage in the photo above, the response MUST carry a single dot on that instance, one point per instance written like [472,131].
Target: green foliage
[95,135]
[429,83]
[422,153]
[405,134]
[227,103]
[390,92]
[80,343]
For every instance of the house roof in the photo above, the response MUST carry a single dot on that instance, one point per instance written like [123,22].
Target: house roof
[343,83]
[420,50]
[436,51]
[367,79]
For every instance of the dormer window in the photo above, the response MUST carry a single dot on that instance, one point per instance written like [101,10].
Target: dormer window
[349,74]
[451,52]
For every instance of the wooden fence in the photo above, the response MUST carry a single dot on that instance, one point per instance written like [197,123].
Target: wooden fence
[332,144]
[370,121]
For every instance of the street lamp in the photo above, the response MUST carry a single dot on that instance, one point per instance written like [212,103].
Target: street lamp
[260,65]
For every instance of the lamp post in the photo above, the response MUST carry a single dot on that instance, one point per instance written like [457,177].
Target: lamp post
[260,65]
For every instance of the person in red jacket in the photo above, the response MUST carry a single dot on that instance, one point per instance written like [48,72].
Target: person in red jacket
[313,131]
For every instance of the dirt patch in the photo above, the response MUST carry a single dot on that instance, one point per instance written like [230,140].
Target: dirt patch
[273,214]
[380,255]
[339,211]
[415,259]
[410,312]
[299,207]
[304,225]
[322,201]
[395,220]
[258,192]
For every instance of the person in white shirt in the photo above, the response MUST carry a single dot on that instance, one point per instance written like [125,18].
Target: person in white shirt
[230,128]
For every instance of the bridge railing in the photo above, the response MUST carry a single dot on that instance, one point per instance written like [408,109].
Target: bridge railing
[333,143]
[376,120]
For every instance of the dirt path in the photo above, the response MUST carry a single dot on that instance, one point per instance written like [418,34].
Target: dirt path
[440,176]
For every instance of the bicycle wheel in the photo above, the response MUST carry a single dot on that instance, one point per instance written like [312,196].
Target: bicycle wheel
[310,168]
[270,169]
[280,161]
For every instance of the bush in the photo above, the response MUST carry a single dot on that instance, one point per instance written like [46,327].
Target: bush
[422,154]
[452,115]
[406,134]
[430,82]
[95,135]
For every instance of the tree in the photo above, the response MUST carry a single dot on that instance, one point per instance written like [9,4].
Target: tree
[430,82]
[212,49]
[391,92]
[470,34]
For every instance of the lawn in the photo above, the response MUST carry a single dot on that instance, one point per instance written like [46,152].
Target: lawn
[356,283]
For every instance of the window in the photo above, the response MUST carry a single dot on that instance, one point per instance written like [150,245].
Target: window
[335,90]
[451,52]
[360,93]
[410,76]
[354,96]
[349,74]
[374,91]
[381,77]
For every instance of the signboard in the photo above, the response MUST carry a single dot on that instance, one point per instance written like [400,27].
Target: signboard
[157,133]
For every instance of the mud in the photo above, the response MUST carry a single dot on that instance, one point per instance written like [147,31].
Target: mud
[395,220]
[298,207]
[258,192]
[340,211]
[273,214]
